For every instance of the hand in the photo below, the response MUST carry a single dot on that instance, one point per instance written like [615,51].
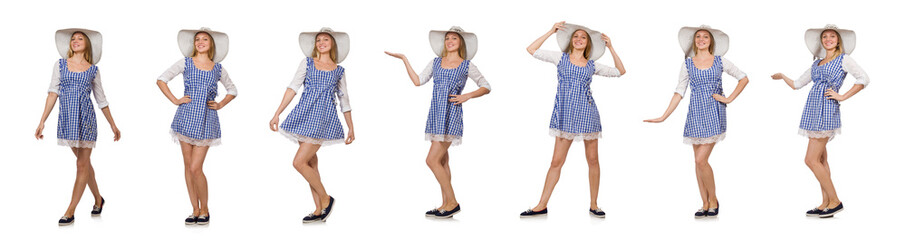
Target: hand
[396,55]
[831,94]
[655,120]
[721,98]
[182,100]
[116,133]
[214,105]
[39,132]
[350,137]
[558,26]
[459,99]
[606,40]
[274,123]
[777,76]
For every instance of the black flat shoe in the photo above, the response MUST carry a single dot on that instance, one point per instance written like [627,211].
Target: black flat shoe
[191,220]
[64,221]
[712,212]
[97,210]
[431,213]
[829,212]
[813,213]
[311,218]
[530,213]
[203,220]
[594,212]
[701,213]
[447,214]
[326,212]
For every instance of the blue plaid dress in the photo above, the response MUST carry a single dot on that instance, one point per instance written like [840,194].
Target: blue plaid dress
[445,119]
[706,121]
[575,114]
[194,122]
[315,119]
[821,116]
[76,125]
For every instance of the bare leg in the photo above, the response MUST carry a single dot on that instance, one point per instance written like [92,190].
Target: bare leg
[196,168]
[445,162]
[305,162]
[594,171]
[561,148]
[190,180]
[824,199]
[705,175]
[816,146]
[314,194]
[83,165]
[92,182]
[434,161]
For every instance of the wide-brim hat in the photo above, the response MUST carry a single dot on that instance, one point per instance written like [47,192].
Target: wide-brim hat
[186,40]
[64,35]
[720,40]
[813,40]
[436,37]
[307,42]
[597,45]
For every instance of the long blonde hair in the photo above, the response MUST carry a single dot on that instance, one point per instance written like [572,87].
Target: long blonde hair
[462,46]
[211,52]
[710,45]
[838,49]
[587,51]
[333,48]
[87,53]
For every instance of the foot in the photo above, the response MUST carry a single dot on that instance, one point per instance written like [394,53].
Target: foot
[311,218]
[64,221]
[203,219]
[431,213]
[712,212]
[596,212]
[441,213]
[701,213]
[813,213]
[532,213]
[191,220]
[96,209]
[326,212]
[829,212]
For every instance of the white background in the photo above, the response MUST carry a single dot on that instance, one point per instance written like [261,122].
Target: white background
[381,183]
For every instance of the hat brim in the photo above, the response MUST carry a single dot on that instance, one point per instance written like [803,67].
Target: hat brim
[186,40]
[307,43]
[686,37]
[436,38]
[813,41]
[597,45]
[63,36]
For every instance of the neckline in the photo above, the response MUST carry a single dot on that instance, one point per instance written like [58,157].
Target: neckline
[441,64]
[196,66]
[835,59]
[712,64]
[571,62]
[66,63]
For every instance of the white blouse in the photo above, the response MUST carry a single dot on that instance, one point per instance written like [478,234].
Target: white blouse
[342,94]
[96,83]
[728,68]
[474,74]
[180,66]
[554,57]
[849,65]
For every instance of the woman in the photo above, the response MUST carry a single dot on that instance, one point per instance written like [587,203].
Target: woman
[74,77]
[706,121]
[455,49]
[575,116]
[821,116]
[196,126]
[314,122]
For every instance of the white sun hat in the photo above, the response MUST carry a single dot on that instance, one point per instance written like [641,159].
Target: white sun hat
[720,41]
[436,37]
[307,42]
[598,46]
[186,40]
[64,35]
[813,40]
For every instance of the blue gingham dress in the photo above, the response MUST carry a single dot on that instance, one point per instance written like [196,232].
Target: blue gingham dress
[821,116]
[76,125]
[445,119]
[575,114]
[194,122]
[706,121]
[315,119]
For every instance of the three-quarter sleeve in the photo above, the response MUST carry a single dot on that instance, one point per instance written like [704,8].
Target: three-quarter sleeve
[606,71]
[731,69]
[299,78]
[98,89]
[227,82]
[342,94]
[803,80]
[851,67]
[476,76]
[683,81]
[426,74]
[55,79]
[176,69]
[548,56]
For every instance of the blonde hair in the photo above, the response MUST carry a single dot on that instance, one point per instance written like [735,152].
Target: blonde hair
[87,53]
[838,49]
[211,52]
[710,45]
[462,46]
[333,48]
[587,51]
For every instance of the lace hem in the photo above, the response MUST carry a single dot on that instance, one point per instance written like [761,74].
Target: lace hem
[574,136]
[707,140]
[197,142]
[829,134]
[455,140]
[75,143]
[296,138]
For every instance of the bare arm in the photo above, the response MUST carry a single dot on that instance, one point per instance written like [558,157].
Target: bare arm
[116,131]
[412,75]
[787,80]
[739,87]
[166,91]
[351,136]
[460,99]
[287,97]
[670,108]
[48,106]
[218,105]
[831,94]
[616,59]
[538,42]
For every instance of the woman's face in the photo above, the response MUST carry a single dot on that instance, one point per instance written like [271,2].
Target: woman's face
[702,40]
[580,40]
[203,42]
[452,42]
[829,39]
[77,42]
[323,43]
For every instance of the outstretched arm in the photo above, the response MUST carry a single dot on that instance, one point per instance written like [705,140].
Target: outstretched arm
[412,75]
[538,42]
[670,108]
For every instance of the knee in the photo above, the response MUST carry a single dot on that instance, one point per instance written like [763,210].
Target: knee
[196,170]
[701,162]
[431,162]
[593,161]
[83,166]
[557,163]
[298,165]
[812,161]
